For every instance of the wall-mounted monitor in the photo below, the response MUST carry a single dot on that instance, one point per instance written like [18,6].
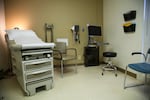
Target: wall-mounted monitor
[94,30]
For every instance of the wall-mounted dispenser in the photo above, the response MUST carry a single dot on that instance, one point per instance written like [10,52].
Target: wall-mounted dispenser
[131,15]
[49,27]
[75,31]
[129,27]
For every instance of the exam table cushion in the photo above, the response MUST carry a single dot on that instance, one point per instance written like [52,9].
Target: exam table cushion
[27,39]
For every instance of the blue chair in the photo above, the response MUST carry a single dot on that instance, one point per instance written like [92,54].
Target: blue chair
[143,67]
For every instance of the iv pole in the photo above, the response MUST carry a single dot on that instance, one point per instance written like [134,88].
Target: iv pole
[49,27]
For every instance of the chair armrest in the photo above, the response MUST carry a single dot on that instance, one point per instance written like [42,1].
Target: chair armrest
[73,49]
[134,53]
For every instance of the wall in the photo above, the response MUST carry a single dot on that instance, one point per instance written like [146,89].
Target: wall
[119,41]
[3,51]
[31,14]
[146,35]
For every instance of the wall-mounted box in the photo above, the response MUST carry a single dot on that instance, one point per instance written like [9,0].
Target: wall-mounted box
[129,28]
[131,15]
[91,56]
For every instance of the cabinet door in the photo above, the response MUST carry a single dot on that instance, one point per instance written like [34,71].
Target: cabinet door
[91,56]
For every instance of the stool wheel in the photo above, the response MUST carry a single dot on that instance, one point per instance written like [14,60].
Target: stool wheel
[116,75]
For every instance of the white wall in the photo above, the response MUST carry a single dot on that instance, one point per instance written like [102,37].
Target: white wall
[121,42]
[146,35]
[3,50]
[2,16]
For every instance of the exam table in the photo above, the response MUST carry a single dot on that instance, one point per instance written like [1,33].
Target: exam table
[32,60]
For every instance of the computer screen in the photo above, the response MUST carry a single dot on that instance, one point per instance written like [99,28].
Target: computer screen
[94,30]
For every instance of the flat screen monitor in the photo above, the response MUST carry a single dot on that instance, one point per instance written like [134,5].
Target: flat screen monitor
[94,30]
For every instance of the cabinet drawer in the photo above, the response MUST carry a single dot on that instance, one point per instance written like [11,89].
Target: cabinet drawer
[38,65]
[38,75]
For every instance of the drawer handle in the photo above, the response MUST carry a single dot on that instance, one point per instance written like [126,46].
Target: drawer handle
[38,72]
[39,63]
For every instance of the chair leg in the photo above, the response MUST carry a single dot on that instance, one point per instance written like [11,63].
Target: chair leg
[125,77]
[103,71]
[115,68]
[105,68]
[62,68]
[109,67]
[129,86]
[145,79]
[75,66]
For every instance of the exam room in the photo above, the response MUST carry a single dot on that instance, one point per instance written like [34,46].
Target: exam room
[63,14]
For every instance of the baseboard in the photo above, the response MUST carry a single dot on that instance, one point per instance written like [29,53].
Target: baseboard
[69,64]
[118,68]
[123,71]
[128,72]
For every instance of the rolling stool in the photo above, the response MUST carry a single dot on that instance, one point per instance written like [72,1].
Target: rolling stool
[109,66]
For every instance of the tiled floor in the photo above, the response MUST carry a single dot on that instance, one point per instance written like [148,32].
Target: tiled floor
[87,84]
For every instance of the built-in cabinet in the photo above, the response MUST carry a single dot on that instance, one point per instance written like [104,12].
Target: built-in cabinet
[91,56]
[34,70]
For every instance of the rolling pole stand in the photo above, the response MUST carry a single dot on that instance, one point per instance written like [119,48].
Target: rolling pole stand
[50,28]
